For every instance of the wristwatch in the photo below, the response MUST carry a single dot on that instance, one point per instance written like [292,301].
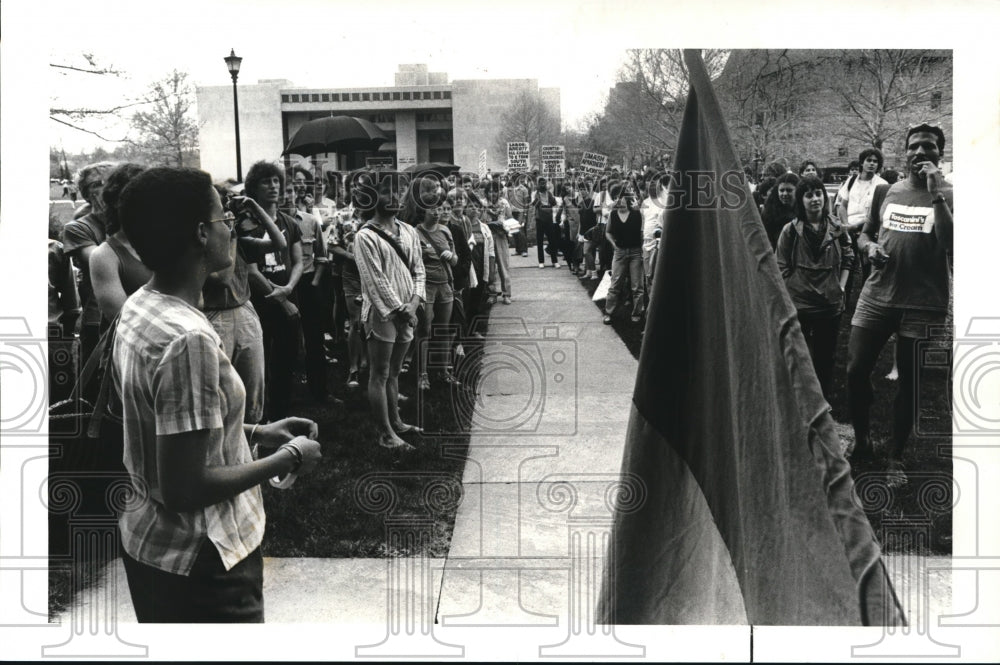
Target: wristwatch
[939,199]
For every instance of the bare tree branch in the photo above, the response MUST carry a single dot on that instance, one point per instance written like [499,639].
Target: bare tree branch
[87,131]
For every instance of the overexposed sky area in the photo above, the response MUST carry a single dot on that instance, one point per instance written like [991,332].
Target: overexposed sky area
[330,44]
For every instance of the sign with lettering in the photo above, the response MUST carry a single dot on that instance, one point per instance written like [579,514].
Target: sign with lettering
[379,162]
[593,162]
[518,156]
[482,164]
[554,161]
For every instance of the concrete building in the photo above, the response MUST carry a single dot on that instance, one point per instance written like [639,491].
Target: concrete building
[426,117]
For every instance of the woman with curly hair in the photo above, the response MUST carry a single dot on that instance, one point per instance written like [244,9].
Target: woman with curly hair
[779,206]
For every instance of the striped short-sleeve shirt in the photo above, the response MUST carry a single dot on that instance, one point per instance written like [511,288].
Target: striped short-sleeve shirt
[174,377]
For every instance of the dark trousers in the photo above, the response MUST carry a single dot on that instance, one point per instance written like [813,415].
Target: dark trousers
[311,310]
[210,594]
[548,230]
[821,338]
[863,351]
[281,349]
[521,238]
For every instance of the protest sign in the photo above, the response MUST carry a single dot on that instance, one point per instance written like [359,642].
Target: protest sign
[518,155]
[379,162]
[593,162]
[554,161]
[482,164]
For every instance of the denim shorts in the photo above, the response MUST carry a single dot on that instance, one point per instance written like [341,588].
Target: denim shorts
[392,331]
[909,323]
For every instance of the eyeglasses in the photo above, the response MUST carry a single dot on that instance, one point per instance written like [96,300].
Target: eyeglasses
[229,219]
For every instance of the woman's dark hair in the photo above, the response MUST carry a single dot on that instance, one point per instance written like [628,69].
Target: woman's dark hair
[434,200]
[304,171]
[809,184]
[615,190]
[891,176]
[809,162]
[868,152]
[772,205]
[775,169]
[160,210]
[114,183]
[261,171]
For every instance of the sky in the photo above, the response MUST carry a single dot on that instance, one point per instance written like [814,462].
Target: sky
[325,44]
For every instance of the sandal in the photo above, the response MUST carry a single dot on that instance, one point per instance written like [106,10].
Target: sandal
[403,447]
[424,383]
[408,429]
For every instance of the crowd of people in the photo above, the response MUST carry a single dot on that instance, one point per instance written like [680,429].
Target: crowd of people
[215,294]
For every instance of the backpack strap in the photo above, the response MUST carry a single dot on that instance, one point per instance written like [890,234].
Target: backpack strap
[392,243]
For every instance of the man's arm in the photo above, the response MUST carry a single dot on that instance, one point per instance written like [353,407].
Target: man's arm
[107,285]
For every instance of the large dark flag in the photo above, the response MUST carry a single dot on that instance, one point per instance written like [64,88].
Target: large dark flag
[749,514]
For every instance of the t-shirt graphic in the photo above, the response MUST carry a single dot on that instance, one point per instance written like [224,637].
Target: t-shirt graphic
[908,219]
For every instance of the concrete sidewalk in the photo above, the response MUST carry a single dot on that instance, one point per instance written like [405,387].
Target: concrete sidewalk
[548,429]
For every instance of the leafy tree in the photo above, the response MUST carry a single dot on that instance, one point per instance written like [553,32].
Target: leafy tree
[168,133]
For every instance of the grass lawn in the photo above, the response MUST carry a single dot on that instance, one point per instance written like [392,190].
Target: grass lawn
[916,516]
[347,505]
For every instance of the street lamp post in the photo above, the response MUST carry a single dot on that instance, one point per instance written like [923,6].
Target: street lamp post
[233,65]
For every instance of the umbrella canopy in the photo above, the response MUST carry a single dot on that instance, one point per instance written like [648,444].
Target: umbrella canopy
[339,133]
[440,168]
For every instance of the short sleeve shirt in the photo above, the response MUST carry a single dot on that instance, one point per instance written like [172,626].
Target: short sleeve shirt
[174,377]
[917,273]
[276,265]
[77,234]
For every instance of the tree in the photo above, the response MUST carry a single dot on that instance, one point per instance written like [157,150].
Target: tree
[642,116]
[764,94]
[884,90]
[528,119]
[97,121]
[168,132]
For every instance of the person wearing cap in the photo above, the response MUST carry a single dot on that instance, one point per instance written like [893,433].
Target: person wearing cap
[908,290]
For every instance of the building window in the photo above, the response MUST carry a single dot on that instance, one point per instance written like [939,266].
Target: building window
[314,97]
[406,95]
[325,97]
[427,94]
[437,94]
[295,98]
[355,97]
[759,119]
[936,101]
[842,151]
[447,94]
[284,99]
[395,96]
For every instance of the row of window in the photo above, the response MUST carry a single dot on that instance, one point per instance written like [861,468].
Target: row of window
[442,116]
[405,95]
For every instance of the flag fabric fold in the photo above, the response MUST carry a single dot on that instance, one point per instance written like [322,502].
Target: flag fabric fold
[750,513]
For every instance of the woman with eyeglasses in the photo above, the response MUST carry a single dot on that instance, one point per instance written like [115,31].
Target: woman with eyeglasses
[192,534]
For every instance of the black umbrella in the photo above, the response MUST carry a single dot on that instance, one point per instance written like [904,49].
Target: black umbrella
[439,168]
[339,133]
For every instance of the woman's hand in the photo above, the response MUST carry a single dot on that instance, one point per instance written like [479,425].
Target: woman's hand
[311,453]
[282,431]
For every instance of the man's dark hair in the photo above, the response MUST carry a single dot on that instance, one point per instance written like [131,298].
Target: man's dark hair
[807,184]
[853,164]
[113,186]
[304,171]
[868,152]
[260,172]
[160,210]
[891,176]
[930,129]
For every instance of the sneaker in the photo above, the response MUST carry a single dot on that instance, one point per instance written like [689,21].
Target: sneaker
[557,265]
[636,318]
[607,319]
[449,377]
[506,300]
[492,300]
[459,351]
[424,383]
[541,265]
[352,379]
[524,254]
[594,276]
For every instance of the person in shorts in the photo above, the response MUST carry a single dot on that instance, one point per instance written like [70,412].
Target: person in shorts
[389,261]
[908,290]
